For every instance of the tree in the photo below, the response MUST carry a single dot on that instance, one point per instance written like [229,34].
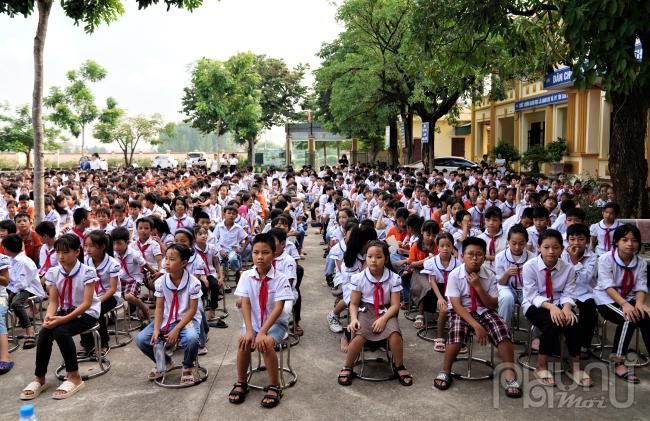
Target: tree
[89,12]
[225,97]
[185,138]
[16,134]
[129,132]
[74,106]
[281,89]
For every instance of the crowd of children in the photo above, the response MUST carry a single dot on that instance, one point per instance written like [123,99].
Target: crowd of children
[475,247]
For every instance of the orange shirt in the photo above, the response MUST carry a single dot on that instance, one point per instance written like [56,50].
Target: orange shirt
[415,254]
[32,246]
[399,236]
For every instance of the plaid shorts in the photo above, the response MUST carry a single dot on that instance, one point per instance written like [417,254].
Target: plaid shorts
[496,328]
[131,287]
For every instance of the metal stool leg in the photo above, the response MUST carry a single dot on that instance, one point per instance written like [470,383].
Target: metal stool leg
[282,368]
[200,376]
[103,363]
[470,358]
[11,331]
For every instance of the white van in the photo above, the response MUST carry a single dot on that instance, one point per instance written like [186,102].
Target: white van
[199,159]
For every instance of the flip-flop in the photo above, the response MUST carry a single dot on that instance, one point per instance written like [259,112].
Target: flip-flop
[35,387]
[578,377]
[439,345]
[6,366]
[69,388]
[544,376]
[419,322]
[187,378]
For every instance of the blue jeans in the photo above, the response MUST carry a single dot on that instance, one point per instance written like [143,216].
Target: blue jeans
[234,260]
[189,340]
[508,297]
[301,236]
[3,321]
[330,265]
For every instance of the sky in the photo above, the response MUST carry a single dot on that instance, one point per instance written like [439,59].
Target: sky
[147,53]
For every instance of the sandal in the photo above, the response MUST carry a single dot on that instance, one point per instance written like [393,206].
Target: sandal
[345,376]
[238,396]
[512,388]
[580,377]
[463,349]
[419,322]
[187,376]
[442,381]
[68,388]
[35,387]
[30,342]
[6,366]
[274,399]
[404,379]
[298,330]
[439,345]
[154,374]
[544,376]
[628,376]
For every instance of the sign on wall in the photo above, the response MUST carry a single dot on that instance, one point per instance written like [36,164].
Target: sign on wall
[541,101]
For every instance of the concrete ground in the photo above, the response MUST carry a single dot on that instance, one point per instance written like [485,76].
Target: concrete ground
[124,392]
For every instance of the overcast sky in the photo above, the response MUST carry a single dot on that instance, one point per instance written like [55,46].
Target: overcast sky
[147,53]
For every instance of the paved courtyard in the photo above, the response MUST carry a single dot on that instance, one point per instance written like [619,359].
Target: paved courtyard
[124,393]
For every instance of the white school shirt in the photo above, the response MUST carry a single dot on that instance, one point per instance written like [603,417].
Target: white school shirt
[586,274]
[365,283]
[279,290]
[81,275]
[54,217]
[127,223]
[533,238]
[5,263]
[188,289]
[500,244]
[23,275]
[473,232]
[43,254]
[149,250]
[560,223]
[496,203]
[427,212]
[131,265]
[478,221]
[174,223]
[286,265]
[436,269]
[610,275]
[458,286]
[108,268]
[336,253]
[226,239]
[563,280]
[207,256]
[600,230]
[504,259]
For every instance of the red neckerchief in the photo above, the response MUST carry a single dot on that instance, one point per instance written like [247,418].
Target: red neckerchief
[608,239]
[124,265]
[66,290]
[179,222]
[473,295]
[628,277]
[378,296]
[48,261]
[549,283]
[98,283]
[174,305]
[142,249]
[263,296]
[204,256]
[79,233]
[492,247]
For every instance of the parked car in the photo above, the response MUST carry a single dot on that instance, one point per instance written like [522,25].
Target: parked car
[164,161]
[450,163]
[200,159]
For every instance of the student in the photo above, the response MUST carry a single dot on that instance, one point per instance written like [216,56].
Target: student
[374,307]
[493,235]
[231,240]
[31,241]
[621,293]
[336,254]
[602,232]
[107,288]
[549,298]
[477,213]
[421,251]
[438,270]
[51,215]
[263,291]
[508,265]
[24,283]
[472,293]
[131,263]
[147,247]
[212,272]
[6,364]
[585,263]
[81,225]
[179,219]
[103,216]
[73,308]
[119,220]
[177,318]
[464,229]
[47,255]
[540,223]
[509,206]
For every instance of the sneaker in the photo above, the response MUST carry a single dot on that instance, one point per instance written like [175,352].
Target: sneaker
[203,350]
[334,323]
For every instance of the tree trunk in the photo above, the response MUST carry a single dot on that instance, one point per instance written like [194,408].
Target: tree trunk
[430,147]
[28,159]
[44,8]
[627,163]
[251,152]
[83,139]
[126,157]
[408,130]
[394,154]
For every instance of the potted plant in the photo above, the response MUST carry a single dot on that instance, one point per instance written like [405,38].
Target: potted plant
[556,151]
[533,157]
[506,151]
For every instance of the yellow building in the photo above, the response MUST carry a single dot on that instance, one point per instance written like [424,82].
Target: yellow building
[449,140]
[537,113]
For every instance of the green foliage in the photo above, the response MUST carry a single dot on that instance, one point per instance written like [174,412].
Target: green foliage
[556,149]
[533,157]
[185,138]
[74,106]
[507,151]
[281,90]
